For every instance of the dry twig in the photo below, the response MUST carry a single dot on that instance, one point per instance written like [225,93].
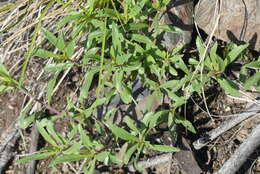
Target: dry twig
[242,153]
[152,162]
[252,111]
[6,148]
[34,144]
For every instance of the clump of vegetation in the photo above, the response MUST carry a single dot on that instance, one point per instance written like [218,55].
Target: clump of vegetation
[120,47]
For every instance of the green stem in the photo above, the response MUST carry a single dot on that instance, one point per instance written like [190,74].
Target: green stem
[102,59]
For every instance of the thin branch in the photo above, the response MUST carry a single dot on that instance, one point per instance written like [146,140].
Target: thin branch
[50,108]
[151,162]
[34,144]
[6,149]
[251,111]
[242,153]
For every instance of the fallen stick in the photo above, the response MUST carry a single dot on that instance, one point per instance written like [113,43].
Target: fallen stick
[238,118]
[151,162]
[6,149]
[242,153]
[34,144]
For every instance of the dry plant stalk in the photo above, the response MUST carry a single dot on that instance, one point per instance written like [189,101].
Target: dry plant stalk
[250,112]
[242,153]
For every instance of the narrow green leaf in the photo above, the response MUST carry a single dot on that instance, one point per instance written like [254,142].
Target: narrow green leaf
[53,133]
[61,43]
[136,26]
[86,85]
[123,90]
[170,84]
[169,28]
[164,148]
[102,156]
[254,64]
[229,86]
[74,149]
[25,122]
[39,156]
[70,49]
[53,39]
[58,66]
[50,86]
[67,158]
[200,46]
[142,39]
[3,70]
[121,133]
[153,120]
[68,19]
[84,138]
[186,123]
[234,53]
[45,54]
[254,79]
[129,153]
[131,123]
[44,133]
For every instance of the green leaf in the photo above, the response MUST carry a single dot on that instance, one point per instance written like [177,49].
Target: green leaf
[68,19]
[91,167]
[4,88]
[39,156]
[216,62]
[200,46]
[255,64]
[74,149]
[136,26]
[58,66]
[3,71]
[131,124]
[186,123]
[164,148]
[44,133]
[70,49]
[86,85]
[53,39]
[153,120]
[102,156]
[61,43]
[45,54]
[123,90]
[50,128]
[170,84]
[129,153]
[254,79]
[229,86]
[25,122]
[125,94]
[142,39]
[234,53]
[67,158]
[84,138]
[50,86]
[169,28]
[121,133]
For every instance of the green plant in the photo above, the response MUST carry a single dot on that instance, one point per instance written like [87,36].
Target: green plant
[119,44]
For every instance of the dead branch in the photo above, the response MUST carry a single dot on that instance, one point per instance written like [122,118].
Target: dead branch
[151,162]
[6,149]
[238,118]
[242,153]
[34,144]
